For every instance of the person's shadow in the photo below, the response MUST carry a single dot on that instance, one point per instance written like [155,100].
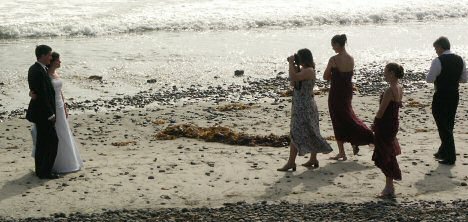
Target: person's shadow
[312,179]
[436,180]
[19,186]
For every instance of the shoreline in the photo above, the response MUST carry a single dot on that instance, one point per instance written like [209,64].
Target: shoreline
[368,82]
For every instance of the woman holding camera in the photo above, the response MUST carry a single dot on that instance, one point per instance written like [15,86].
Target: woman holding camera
[304,127]
[346,125]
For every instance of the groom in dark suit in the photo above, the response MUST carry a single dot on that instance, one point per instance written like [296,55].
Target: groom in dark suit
[41,111]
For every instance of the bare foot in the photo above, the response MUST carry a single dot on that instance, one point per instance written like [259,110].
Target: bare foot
[387,194]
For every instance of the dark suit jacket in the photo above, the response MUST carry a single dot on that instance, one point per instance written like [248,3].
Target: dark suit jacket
[41,108]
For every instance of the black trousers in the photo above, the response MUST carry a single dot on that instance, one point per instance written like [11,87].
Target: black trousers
[46,148]
[444,108]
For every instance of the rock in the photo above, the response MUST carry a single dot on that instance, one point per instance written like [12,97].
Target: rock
[463,184]
[151,81]
[59,215]
[282,211]
[165,197]
[151,178]
[239,73]
[94,77]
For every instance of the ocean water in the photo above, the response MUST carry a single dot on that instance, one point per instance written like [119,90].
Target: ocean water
[182,42]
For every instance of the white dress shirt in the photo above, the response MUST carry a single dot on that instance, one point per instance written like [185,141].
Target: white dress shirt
[436,68]
[43,66]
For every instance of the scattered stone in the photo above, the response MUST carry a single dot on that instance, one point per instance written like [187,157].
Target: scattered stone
[94,77]
[239,72]
[59,215]
[368,82]
[165,197]
[282,211]
[126,143]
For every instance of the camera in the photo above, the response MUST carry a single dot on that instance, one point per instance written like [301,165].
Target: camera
[296,59]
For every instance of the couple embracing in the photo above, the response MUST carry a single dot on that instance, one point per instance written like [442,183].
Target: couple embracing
[54,149]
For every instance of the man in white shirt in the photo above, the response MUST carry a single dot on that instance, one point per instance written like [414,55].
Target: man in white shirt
[446,72]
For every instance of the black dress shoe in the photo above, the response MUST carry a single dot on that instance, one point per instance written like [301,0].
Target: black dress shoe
[447,162]
[51,176]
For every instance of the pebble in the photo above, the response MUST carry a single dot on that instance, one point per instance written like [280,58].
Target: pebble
[368,82]
[239,72]
[280,211]
[94,77]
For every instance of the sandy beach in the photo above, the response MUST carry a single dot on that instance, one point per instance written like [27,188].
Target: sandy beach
[146,173]
[132,70]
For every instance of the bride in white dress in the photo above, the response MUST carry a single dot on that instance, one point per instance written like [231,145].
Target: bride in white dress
[68,157]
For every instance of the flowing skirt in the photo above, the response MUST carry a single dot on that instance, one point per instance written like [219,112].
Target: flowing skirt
[68,157]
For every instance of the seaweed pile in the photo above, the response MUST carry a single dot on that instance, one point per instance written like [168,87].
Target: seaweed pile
[233,106]
[222,135]
[415,104]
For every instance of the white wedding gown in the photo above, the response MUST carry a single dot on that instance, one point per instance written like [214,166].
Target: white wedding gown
[68,157]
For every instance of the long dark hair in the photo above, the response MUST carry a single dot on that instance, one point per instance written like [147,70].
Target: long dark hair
[306,58]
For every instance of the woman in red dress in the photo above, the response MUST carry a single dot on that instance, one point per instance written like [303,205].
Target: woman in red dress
[346,125]
[386,128]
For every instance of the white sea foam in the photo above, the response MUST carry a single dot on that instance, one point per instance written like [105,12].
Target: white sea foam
[43,18]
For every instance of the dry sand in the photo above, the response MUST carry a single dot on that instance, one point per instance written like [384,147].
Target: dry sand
[150,173]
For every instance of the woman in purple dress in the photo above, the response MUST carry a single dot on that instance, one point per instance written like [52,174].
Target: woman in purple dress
[346,125]
[386,128]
